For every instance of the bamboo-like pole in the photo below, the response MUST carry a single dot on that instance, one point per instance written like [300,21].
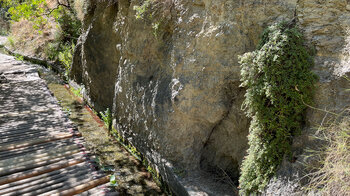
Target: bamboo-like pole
[29,129]
[22,113]
[78,189]
[27,136]
[37,156]
[39,147]
[38,141]
[35,164]
[55,182]
[43,176]
[45,169]
[47,177]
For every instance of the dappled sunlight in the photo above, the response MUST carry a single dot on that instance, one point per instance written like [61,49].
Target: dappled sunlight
[344,66]
[40,151]
[132,176]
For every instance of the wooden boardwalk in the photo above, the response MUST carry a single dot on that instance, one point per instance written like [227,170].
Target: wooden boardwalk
[40,152]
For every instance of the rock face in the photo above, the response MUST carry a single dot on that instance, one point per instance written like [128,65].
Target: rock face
[99,57]
[172,77]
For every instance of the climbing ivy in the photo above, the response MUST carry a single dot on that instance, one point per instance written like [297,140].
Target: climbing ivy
[278,80]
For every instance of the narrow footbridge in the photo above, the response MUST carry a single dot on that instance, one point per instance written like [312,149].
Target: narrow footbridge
[40,152]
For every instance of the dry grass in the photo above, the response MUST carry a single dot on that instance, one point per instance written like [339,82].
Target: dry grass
[52,3]
[34,42]
[79,6]
[332,175]
[31,42]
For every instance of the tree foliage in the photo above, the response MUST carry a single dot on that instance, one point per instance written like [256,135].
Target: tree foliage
[31,10]
[39,13]
[279,81]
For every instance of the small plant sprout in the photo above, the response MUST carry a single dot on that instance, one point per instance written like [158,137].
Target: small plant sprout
[140,10]
[113,180]
[19,57]
[107,118]
[66,58]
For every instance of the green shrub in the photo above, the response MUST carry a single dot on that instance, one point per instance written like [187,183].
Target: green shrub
[69,24]
[66,57]
[38,13]
[278,80]
[52,50]
[11,41]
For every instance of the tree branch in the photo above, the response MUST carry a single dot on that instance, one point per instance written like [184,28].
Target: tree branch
[59,4]
[64,5]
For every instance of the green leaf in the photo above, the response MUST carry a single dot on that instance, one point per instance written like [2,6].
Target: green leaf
[113,180]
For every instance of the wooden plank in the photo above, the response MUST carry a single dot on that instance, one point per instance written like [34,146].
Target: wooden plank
[68,191]
[38,156]
[29,135]
[22,113]
[47,184]
[9,129]
[37,180]
[40,147]
[37,141]
[98,190]
[21,131]
[22,128]
[38,171]
[71,182]
[44,176]
[33,164]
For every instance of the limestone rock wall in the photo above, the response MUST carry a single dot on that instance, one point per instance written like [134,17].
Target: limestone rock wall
[175,89]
